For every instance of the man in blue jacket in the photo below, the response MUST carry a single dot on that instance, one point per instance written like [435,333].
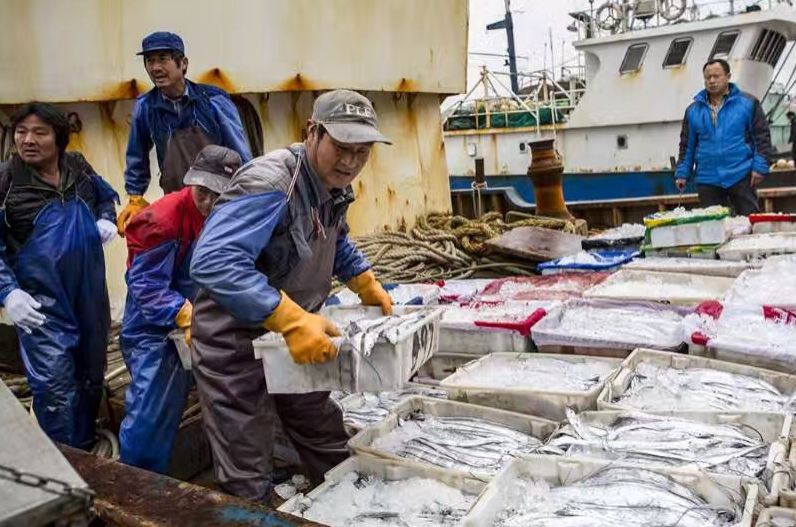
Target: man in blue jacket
[265,262]
[725,143]
[179,118]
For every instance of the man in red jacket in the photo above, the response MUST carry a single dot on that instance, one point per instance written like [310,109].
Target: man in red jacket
[160,293]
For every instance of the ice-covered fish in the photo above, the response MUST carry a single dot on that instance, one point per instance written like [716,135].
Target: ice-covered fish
[459,443]
[662,440]
[610,497]
[653,387]
[358,500]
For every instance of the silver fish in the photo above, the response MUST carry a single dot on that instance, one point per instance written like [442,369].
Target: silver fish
[654,440]
[653,387]
[459,443]
[612,496]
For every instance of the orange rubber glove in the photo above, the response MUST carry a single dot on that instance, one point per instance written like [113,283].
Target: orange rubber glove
[134,205]
[370,291]
[306,334]
[183,320]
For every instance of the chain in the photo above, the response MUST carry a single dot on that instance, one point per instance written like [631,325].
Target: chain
[52,485]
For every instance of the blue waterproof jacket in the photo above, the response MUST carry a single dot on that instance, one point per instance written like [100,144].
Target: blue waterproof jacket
[725,153]
[254,237]
[155,119]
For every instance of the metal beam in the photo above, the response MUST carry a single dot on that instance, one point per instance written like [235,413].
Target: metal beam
[131,497]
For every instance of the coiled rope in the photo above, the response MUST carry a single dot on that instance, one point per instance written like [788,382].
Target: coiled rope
[444,246]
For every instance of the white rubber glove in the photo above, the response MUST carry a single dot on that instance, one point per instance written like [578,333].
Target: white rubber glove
[23,310]
[107,230]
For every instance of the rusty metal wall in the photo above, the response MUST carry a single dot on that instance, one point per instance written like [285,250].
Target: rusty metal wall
[399,182]
[84,50]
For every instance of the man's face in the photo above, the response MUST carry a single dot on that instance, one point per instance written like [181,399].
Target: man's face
[163,70]
[716,80]
[35,141]
[204,199]
[337,164]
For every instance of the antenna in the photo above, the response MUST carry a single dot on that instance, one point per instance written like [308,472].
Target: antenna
[508,24]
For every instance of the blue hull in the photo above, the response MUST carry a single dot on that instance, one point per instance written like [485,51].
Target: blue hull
[596,186]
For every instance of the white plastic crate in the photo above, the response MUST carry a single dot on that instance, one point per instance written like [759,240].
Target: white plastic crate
[777,429]
[687,234]
[183,350]
[440,366]
[401,295]
[479,329]
[619,383]
[698,266]
[674,288]
[761,336]
[776,517]
[359,403]
[557,471]
[550,404]
[619,328]
[362,443]
[389,366]
[386,469]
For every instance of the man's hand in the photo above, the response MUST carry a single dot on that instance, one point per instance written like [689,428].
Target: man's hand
[755,179]
[680,184]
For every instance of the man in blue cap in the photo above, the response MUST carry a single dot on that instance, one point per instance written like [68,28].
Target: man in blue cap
[179,118]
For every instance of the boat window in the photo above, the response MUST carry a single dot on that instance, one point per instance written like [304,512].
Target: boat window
[678,51]
[769,47]
[634,56]
[724,43]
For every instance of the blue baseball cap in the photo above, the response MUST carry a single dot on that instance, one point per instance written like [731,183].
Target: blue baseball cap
[161,40]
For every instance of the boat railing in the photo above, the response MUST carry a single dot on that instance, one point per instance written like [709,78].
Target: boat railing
[543,101]
[621,16]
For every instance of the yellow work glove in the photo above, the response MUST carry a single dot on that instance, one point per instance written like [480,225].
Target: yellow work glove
[306,334]
[183,320]
[370,291]
[134,205]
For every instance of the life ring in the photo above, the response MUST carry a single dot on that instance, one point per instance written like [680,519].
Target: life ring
[671,10]
[609,16]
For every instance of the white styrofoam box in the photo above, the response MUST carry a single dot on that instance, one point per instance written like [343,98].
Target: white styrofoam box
[755,246]
[550,404]
[619,382]
[699,266]
[388,368]
[183,350]
[362,443]
[557,471]
[388,470]
[777,429]
[773,226]
[648,328]
[708,232]
[674,288]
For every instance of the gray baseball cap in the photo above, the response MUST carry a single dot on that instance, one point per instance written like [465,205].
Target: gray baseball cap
[213,168]
[348,117]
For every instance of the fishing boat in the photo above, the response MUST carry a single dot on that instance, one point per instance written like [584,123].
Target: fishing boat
[616,114]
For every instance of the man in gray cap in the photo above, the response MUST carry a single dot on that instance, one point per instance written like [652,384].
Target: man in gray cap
[265,262]
[160,293]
